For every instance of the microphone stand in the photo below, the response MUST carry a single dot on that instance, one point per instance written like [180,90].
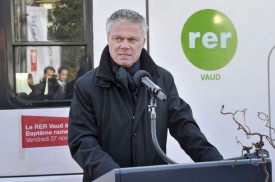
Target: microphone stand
[152,112]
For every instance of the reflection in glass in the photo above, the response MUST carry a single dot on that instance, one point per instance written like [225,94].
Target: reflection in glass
[48,72]
[49,20]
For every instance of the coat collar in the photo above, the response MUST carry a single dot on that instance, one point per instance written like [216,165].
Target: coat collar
[105,75]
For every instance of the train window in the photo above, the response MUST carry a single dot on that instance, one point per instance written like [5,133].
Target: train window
[48,20]
[50,47]
[48,72]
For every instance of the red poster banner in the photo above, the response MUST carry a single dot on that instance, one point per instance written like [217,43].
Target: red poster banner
[33,59]
[44,131]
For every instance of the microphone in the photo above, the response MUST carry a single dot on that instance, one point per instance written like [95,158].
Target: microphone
[144,77]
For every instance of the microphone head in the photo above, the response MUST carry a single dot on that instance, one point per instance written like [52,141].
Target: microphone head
[138,75]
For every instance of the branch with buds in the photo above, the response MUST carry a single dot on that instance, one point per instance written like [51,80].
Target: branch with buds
[259,151]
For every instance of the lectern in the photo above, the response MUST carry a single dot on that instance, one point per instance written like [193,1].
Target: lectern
[244,170]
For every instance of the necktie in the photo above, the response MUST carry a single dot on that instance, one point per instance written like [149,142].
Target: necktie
[121,76]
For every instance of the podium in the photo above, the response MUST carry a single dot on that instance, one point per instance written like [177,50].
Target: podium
[244,170]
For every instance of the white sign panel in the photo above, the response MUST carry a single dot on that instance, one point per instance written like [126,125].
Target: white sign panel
[218,53]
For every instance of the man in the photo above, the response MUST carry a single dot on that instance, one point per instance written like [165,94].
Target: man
[62,76]
[48,86]
[62,81]
[109,123]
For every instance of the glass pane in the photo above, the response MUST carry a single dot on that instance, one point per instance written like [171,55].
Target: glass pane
[48,72]
[48,20]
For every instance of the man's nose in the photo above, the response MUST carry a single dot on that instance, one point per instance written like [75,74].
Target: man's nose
[125,44]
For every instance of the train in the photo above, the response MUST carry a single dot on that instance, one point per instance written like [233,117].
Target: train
[221,55]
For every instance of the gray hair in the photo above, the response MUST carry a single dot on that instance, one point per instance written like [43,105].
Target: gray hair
[129,16]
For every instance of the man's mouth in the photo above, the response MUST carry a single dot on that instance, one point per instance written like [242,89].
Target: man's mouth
[124,54]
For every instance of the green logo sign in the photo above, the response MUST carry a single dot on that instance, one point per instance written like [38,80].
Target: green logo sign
[209,39]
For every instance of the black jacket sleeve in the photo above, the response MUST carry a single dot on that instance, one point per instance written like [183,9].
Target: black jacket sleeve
[83,137]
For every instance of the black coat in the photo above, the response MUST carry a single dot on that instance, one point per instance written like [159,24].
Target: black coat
[39,89]
[107,131]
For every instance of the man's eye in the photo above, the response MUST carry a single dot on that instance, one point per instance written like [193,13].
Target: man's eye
[117,39]
[133,40]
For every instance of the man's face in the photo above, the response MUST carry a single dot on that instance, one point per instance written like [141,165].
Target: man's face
[63,75]
[125,42]
[49,74]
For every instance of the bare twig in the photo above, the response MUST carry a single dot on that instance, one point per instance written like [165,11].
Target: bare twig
[258,145]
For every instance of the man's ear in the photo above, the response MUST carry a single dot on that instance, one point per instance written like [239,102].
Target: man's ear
[144,41]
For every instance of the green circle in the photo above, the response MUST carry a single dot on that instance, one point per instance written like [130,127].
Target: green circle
[209,39]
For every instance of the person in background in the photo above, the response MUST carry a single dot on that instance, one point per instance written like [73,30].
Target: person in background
[62,81]
[109,123]
[30,81]
[48,86]
[62,76]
